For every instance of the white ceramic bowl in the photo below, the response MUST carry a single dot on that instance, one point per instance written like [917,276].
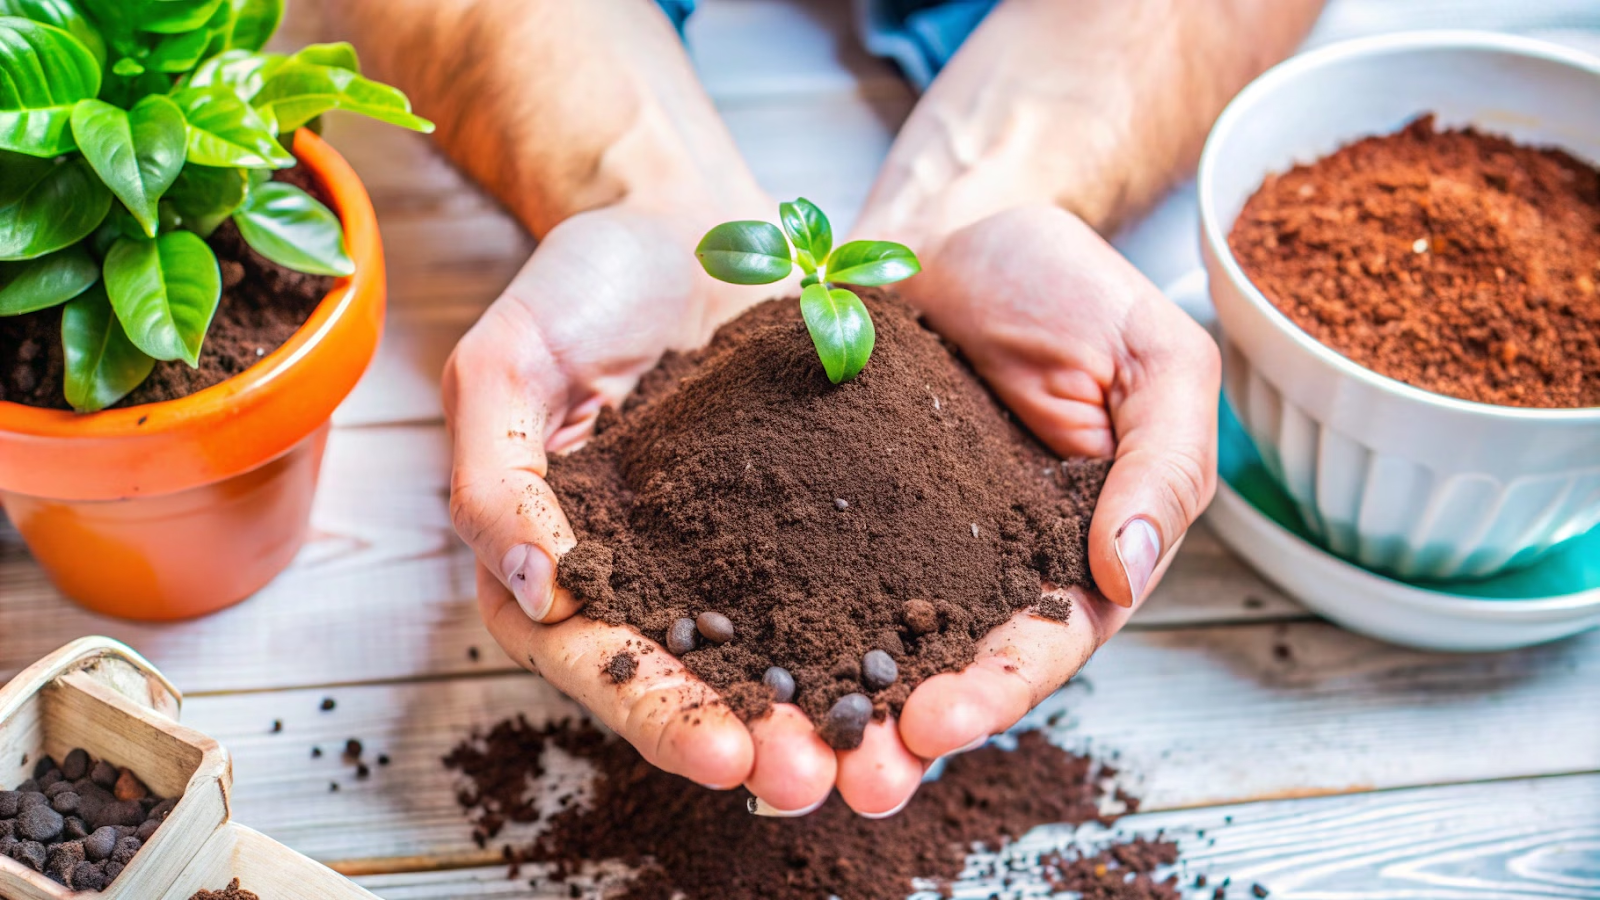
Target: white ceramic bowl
[1396,478]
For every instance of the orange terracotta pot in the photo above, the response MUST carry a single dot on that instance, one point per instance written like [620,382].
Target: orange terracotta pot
[176,509]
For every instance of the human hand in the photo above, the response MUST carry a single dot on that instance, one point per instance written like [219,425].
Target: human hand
[1096,362]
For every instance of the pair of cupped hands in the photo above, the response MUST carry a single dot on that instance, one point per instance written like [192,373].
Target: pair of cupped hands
[1073,339]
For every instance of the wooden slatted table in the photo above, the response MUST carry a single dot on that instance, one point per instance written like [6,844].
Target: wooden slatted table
[1321,763]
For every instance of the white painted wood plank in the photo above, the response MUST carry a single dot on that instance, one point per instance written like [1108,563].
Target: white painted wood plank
[1536,839]
[1196,717]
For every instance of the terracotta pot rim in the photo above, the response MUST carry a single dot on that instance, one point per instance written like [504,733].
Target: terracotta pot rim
[212,416]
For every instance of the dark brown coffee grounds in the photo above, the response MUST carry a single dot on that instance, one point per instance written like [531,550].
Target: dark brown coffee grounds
[1123,872]
[621,668]
[80,822]
[231,892]
[705,844]
[715,489]
[1455,261]
[263,304]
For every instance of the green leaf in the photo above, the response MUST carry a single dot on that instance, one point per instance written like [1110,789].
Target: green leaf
[225,131]
[172,16]
[745,253]
[19,173]
[63,15]
[254,22]
[807,227]
[165,292]
[204,197]
[219,30]
[128,67]
[300,91]
[872,263]
[175,53]
[62,208]
[103,365]
[136,153]
[289,227]
[43,72]
[47,281]
[339,56]
[241,71]
[840,328]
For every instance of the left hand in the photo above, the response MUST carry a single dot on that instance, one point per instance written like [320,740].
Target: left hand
[1096,362]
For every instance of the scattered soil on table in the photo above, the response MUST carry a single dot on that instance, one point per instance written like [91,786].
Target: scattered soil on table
[1455,261]
[902,511]
[263,304]
[231,892]
[80,822]
[705,844]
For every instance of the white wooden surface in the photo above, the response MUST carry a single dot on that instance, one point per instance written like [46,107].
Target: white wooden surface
[1453,776]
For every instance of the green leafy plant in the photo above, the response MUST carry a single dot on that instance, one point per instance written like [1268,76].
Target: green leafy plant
[761,253]
[129,131]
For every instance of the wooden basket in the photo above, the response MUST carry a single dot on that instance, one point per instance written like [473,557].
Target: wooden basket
[98,694]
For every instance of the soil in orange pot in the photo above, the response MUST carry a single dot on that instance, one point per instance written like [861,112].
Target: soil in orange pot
[784,521]
[263,304]
[1455,261]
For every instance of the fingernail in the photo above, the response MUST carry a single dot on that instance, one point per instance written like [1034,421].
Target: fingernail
[530,575]
[887,814]
[762,808]
[977,742]
[1138,549]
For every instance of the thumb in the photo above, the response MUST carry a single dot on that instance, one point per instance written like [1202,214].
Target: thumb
[1163,409]
[502,389]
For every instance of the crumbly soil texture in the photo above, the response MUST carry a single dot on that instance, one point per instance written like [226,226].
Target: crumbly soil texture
[1455,261]
[683,840]
[263,304]
[902,511]
[80,821]
[232,892]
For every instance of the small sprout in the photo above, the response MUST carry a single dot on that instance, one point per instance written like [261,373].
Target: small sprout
[762,253]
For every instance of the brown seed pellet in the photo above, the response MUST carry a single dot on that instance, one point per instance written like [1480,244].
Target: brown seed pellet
[682,637]
[714,627]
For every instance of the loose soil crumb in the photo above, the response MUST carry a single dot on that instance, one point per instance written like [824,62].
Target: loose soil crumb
[716,489]
[621,668]
[80,822]
[684,839]
[263,304]
[1455,261]
[231,892]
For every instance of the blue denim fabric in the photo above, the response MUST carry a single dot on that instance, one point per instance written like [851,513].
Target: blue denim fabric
[919,35]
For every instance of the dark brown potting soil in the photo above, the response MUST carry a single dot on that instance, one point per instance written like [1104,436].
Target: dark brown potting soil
[79,822]
[231,892]
[705,844]
[263,304]
[1455,261]
[902,511]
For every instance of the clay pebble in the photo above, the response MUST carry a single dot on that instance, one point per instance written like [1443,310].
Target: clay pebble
[681,637]
[714,627]
[781,682]
[847,721]
[878,670]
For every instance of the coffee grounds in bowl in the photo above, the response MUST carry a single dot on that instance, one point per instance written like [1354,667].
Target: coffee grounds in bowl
[80,822]
[780,520]
[1455,261]
[231,892]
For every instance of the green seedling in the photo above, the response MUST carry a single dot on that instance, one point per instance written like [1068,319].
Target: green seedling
[760,253]
[130,130]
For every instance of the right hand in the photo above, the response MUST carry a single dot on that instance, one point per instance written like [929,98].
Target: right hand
[603,295]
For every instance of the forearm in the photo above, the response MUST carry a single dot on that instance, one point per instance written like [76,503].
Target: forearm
[1092,106]
[557,106]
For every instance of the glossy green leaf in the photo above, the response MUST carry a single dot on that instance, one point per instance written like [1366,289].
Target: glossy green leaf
[254,21]
[242,71]
[289,227]
[204,197]
[300,91]
[136,153]
[840,328]
[172,16]
[176,53]
[165,292]
[62,208]
[219,31]
[807,228]
[128,67]
[48,281]
[225,131]
[745,253]
[19,173]
[103,365]
[44,71]
[872,263]
[339,55]
[63,14]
